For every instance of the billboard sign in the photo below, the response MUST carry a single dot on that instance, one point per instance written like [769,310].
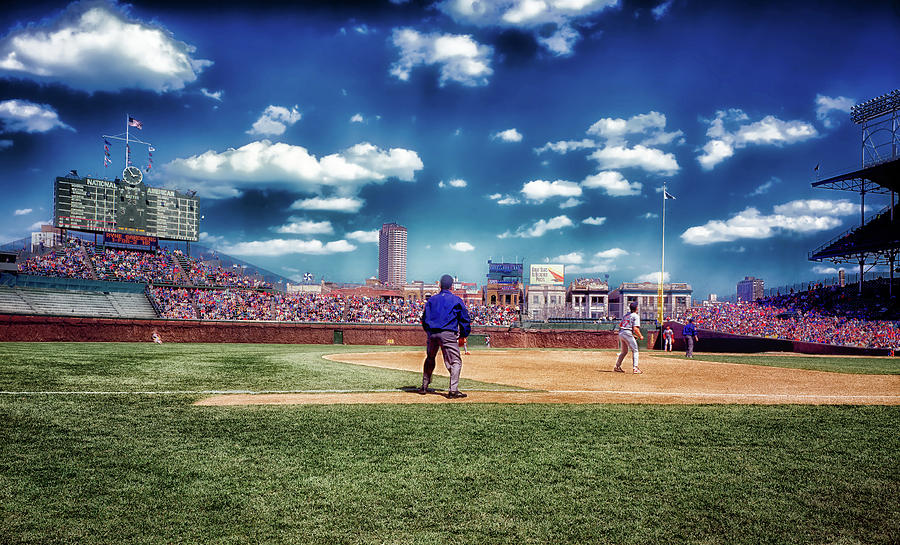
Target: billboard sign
[553,275]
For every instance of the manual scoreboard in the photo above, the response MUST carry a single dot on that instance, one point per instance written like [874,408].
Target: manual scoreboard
[125,206]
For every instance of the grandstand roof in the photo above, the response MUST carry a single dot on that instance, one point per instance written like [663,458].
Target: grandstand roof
[881,177]
[877,235]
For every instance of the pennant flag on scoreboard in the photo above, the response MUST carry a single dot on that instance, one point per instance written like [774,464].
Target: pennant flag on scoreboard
[128,153]
[150,150]
[135,123]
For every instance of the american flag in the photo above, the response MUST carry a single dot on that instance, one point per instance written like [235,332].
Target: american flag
[135,123]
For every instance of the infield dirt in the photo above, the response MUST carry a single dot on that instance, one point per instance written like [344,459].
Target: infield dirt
[557,376]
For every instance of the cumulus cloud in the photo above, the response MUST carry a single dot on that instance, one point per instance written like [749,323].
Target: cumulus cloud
[357,118]
[505,200]
[275,120]
[571,258]
[552,22]
[541,190]
[732,130]
[651,126]
[263,164]
[22,211]
[570,203]
[539,228]
[460,58]
[215,95]
[821,269]
[826,106]
[96,46]
[300,226]
[509,135]
[459,183]
[613,183]
[764,188]
[348,205]
[280,246]
[801,216]
[364,236]
[462,247]
[565,146]
[649,159]
[593,221]
[601,261]
[649,215]
[653,277]
[24,116]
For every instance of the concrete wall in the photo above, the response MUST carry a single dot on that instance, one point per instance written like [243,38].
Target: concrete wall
[61,329]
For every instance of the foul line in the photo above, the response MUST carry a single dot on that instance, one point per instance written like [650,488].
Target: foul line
[395,390]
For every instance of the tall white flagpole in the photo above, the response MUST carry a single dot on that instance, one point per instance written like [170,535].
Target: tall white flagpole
[662,265]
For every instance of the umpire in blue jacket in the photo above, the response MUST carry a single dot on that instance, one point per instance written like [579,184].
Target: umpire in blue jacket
[446,320]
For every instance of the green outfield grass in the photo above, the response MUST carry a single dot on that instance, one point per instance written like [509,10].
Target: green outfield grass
[138,468]
[837,364]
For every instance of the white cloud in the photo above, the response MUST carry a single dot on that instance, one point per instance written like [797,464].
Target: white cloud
[364,236]
[570,203]
[541,190]
[509,135]
[764,188]
[551,21]
[214,241]
[826,106]
[800,216]
[651,124]
[461,59]
[279,247]
[462,247]
[649,159]
[508,200]
[612,253]
[458,183]
[36,226]
[24,116]
[495,196]
[539,228]
[357,118]
[95,46]
[564,146]
[649,215]
[653,277]
[572,258]
[215,95]
[660,10]
[594,221]
[821,269]
[300,226]
[264,164]
[731,130]
[275,120]
[333,204]
[22,211]
[613,183]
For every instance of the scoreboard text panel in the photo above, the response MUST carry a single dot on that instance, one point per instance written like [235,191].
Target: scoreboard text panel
[116,206]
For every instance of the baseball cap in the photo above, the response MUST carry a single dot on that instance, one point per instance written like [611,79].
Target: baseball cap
[633,305]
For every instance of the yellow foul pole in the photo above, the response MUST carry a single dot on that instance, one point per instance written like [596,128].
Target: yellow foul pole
[662,266]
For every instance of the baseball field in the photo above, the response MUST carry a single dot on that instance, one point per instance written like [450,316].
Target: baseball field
[142,443]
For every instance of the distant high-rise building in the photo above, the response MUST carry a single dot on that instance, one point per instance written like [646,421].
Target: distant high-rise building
[392,254]
[750,289]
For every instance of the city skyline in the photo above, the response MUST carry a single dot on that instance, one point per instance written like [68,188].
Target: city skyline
[518,131]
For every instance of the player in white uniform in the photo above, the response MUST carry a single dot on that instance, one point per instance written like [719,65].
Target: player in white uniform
[629,328]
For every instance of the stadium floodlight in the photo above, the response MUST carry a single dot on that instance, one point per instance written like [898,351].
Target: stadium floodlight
[875,107]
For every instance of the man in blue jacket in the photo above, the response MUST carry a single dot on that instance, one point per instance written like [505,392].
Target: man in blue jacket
[446,320]
[690,337]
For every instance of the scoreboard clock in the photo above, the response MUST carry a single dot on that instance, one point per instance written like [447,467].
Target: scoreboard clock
[125,206]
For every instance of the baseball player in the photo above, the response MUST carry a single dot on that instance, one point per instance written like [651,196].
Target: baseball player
[629,328]
[668,337]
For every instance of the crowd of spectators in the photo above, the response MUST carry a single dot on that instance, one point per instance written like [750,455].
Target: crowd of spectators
[132,266]
[67,262]
[203,273]
[248,304]
[766,320]
[873,304]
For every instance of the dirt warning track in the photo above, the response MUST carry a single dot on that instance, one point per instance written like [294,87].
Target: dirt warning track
[556,376]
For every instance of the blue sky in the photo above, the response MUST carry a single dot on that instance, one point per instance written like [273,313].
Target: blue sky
[533,129]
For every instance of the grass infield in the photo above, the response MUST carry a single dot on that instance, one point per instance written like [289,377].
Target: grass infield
[153,468]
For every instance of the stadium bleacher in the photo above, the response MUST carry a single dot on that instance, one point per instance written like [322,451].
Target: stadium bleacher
[18,300]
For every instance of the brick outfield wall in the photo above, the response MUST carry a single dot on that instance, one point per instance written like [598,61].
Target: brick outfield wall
[18,328]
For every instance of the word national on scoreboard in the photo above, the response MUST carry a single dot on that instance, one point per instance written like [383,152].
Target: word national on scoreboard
[125,206]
